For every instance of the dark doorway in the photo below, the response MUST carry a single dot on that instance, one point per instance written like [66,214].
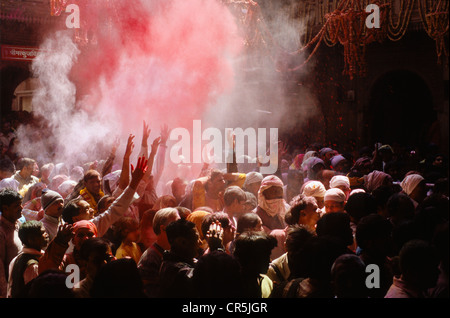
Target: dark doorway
[10,77]
[401,110]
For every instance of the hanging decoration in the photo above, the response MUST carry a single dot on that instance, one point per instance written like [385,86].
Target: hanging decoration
[397,29]
[339,22]
[435,20]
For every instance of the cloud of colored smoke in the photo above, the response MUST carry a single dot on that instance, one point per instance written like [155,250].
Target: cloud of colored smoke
[164,62]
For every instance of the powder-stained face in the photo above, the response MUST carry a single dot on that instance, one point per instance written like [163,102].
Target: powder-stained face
[309,215]
[86,211]
[93,185]
[13,211]
[273,192]
[333,206]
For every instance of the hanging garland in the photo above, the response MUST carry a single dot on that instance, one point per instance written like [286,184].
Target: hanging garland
[343,22]
[436,23]
[396,30]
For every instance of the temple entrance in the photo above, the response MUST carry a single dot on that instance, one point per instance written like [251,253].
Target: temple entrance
[401,110]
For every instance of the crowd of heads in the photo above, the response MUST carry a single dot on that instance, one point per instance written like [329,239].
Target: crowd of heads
[310,230]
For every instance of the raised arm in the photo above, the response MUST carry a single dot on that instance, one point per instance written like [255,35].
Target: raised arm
[124,178]
[109,162]
[144,143]
[161,155]
[120,205]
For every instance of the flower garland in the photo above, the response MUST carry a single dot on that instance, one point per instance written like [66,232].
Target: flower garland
[436,23]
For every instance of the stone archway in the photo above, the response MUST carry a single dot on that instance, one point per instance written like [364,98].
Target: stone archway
[10,78]
[401,110]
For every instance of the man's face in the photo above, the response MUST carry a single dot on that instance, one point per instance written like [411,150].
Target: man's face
[35,171]
[93,185]
[82,235]
[189,246]
[180,190]
[40,241]
[55,209]
[6,127]
[328,156]
[273,192]
[333,206]
[86,211]
[254,187]
[13,211]
[217,184]
[309,215]
[27,171]
[238,206]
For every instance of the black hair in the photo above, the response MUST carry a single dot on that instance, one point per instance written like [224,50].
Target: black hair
[71,210]
[29,230]
[371,227]
[217,275]
[252,246]
[118,279]
[360,204]
[247,221]
[7,165]
[179,228]
[9,196]
[336,225]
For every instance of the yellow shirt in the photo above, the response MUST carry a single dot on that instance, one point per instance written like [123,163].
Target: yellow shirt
[133,251]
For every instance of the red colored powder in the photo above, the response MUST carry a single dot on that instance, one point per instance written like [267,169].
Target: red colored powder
[159,61]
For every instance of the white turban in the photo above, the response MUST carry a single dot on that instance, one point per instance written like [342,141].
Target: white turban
[9,183]
[252,177]
[410,182]
[335,194]
[113,178]
[340,181]
[314,188]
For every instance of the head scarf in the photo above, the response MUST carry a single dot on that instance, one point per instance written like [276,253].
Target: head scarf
[9,183]
[325,150]
[197,217]
[375,179]
[339,181]
[66,186]
[252,177]
[297,164]
[335,194]
[84,224]
[410,182]
[314,189]
[272,207]
[361,164]
[307,156]
[336,159]
[309,165]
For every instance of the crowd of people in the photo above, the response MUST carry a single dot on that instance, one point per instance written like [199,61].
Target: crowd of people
[116,228]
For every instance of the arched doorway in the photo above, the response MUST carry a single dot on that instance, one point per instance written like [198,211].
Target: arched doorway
[23,95]
[10,78]
[401,110]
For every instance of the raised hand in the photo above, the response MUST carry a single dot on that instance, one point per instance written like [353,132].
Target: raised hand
[164,134]
[138,173]
[64,234]
[145,134]
[214,236]
[130,146]
[155,145]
